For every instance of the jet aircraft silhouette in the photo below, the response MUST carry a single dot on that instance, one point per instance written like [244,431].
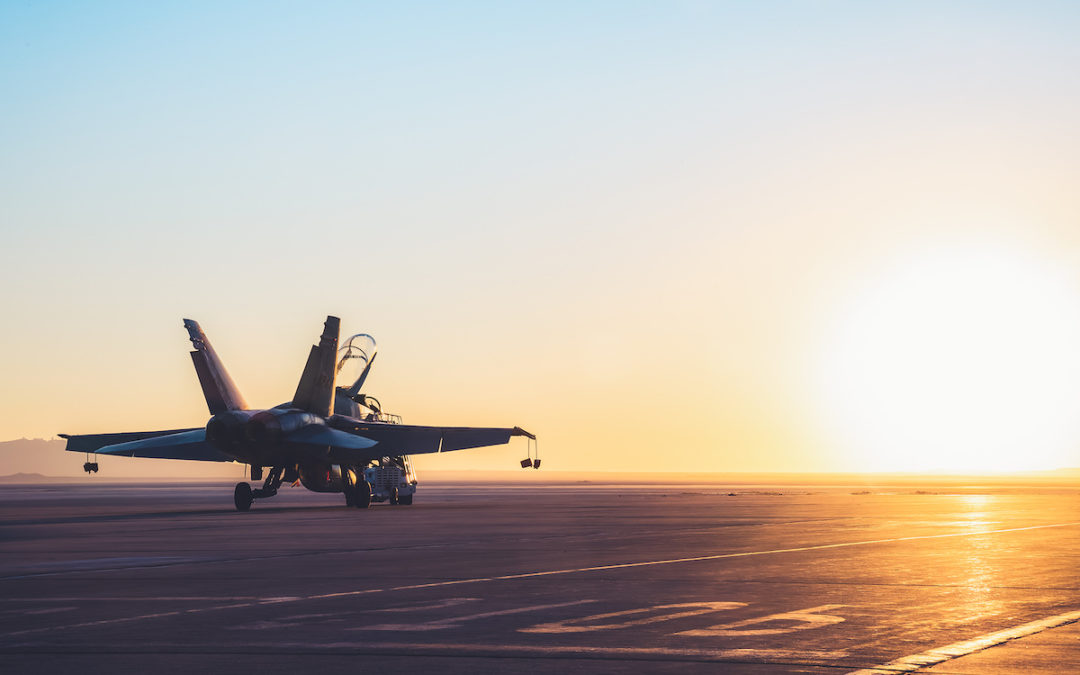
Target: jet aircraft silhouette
[329,438]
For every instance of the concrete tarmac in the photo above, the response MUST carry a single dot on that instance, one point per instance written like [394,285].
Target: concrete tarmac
[587,578]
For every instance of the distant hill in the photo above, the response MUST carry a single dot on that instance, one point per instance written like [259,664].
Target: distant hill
[17,478]
[38,456]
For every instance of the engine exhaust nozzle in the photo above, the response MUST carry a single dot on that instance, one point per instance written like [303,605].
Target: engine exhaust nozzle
[227,428]
[272,426]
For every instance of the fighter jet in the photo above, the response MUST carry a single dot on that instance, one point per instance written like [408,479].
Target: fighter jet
[328,438]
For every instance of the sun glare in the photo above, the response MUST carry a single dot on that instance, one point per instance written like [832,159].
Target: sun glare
[962,359]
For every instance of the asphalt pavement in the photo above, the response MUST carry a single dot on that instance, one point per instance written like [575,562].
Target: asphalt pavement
[560,578]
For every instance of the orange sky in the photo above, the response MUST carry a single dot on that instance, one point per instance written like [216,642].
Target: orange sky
[662,237]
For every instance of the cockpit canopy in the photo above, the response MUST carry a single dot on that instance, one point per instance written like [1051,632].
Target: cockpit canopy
[354,362]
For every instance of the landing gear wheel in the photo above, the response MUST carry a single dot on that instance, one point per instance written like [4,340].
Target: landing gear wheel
[393,497]
[350,496]
[362,495]
[242,497]
[405,500]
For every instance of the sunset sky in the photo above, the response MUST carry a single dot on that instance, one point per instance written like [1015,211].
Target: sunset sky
[668,236]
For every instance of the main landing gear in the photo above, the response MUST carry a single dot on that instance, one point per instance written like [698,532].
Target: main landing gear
[243,495]
[356,494]
[397,499]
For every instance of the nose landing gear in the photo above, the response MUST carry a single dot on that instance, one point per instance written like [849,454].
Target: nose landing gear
[243,495]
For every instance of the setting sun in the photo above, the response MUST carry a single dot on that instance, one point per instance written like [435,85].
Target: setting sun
[961,358]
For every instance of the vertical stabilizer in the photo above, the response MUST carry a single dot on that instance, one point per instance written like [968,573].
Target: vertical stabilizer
[218,388]
[315,393]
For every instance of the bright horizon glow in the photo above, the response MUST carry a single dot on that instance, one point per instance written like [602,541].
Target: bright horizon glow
[961,359]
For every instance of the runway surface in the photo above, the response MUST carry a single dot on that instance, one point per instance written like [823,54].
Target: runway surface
[542,579]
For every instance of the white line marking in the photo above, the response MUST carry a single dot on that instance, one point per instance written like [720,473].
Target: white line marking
[718,556]
[46,610]
[779,655]
[528,575]
[287,621]
[277,600]
[806,618]
[909,664]
[425,606]
[455,621]
[587,623]
[560,651]
[135,598]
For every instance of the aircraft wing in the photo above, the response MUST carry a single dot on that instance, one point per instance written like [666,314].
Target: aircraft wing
[359,442]
[173,444]
[405,439]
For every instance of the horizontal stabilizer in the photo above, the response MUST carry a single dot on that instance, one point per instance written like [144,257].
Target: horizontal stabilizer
[94,442]
[316,435]
[185,445]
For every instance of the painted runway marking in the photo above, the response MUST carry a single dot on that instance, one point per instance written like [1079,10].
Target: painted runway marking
[35,612]
[138,598]
[909,664]
[804,618]
[456,621]
[289,621]
[585,624]
[124,561]
[531,575]
[561,651]
[779,655]
[425,606]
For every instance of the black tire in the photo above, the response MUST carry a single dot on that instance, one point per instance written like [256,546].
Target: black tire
[405,500]
[394,497]
[362,495]
[242,497]
[350,496]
